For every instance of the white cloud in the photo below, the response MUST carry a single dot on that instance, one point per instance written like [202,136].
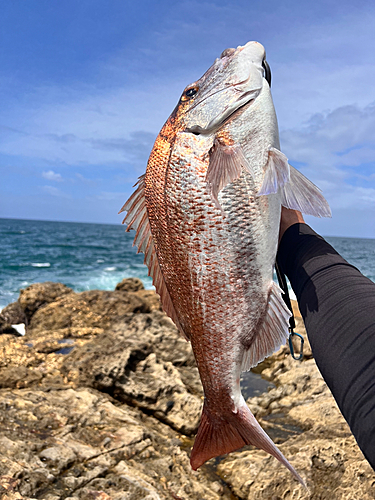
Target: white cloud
[54,191]
[52,176]
[336,150]
[342,137]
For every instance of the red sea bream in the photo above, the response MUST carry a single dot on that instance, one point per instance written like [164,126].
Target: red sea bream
[207,215]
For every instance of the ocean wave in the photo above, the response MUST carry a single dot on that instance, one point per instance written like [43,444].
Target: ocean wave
[110,269]
[40,264]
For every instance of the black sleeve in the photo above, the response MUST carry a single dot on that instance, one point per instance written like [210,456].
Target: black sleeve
[337,304]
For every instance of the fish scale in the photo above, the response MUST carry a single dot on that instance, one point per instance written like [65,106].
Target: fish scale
[207,216]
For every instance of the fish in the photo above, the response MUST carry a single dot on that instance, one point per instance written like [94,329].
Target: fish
[207,215]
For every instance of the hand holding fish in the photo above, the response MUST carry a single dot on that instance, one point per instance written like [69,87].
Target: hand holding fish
[288,218]
[207,217]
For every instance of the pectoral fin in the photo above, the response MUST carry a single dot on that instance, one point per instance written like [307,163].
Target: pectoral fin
[277,172]
[226,163]
[301,194]
[297,192]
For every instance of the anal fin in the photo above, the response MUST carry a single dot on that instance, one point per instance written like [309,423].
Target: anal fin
[272,333]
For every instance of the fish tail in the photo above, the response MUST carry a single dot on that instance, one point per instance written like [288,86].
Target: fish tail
[223,434]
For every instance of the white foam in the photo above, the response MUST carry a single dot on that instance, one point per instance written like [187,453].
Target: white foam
[110,269]
[41,264]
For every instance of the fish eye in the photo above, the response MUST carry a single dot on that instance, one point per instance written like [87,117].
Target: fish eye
[189,93]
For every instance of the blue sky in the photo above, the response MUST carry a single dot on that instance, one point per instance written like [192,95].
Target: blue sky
[86,87]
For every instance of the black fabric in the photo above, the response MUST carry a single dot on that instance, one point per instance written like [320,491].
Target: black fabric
[337,304]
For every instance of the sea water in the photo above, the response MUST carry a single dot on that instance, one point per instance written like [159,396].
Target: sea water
[98,256]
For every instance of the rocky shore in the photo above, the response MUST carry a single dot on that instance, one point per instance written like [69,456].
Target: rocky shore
[101,400]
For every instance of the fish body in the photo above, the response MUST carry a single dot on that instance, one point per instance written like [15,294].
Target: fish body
[207,215]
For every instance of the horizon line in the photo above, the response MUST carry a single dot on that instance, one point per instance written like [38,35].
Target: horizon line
[120,224]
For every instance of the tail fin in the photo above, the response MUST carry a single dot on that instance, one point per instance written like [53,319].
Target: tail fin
[221,435]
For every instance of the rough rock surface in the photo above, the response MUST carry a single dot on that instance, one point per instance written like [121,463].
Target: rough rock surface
[35,296]
[101,398]
[130,285]
[12,314]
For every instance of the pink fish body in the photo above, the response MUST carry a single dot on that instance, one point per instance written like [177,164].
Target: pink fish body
[207,215]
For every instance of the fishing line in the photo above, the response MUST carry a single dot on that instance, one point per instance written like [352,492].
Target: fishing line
[292,324]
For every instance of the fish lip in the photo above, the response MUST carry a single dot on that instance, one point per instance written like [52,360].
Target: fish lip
[214,125]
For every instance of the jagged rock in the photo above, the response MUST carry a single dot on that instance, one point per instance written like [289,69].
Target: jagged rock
[35,296]
[99,399]
[12,314]
[74,313]
[138,362]
[130,285]
[78,444]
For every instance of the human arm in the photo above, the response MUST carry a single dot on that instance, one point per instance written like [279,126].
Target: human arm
[337,304]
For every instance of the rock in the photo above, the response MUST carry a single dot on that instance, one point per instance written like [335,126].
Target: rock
[101,398]
[331,467]
[18,376]
[152,299]
[138,362]
[78,444]
[12,314]
[130,285]
[35,296]
[6,328]
[76,313]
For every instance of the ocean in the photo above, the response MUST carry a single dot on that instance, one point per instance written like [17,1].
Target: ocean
[98,256]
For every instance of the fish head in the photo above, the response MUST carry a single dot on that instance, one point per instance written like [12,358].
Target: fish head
[234,81]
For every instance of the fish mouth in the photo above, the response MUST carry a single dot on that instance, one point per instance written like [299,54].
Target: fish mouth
[231,112]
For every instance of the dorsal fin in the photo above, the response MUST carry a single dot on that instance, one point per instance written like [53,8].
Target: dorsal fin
[137,219]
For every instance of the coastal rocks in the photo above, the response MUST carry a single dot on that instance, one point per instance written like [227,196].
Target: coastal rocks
[75,314]
[12,314]
[78,444]
[331,468]
[35,296]
[63,436]
[130,285]
[101,399]
[138,362]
